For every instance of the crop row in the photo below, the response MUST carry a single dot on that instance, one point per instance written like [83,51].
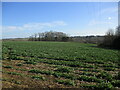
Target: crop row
[60,51]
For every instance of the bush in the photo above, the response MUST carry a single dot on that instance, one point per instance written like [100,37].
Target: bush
[112,40]
[116,43]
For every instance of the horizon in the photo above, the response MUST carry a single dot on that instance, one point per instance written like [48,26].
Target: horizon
[69,36]
[22,19]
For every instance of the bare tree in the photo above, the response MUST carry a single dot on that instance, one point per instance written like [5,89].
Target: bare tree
[109,37]
[110,32]
[51,36]
[117,33]
[35,37]
[108,40]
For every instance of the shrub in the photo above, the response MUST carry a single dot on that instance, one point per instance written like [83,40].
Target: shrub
[112,40]
[116,43]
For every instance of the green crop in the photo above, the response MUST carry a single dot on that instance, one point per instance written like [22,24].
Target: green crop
[76,62]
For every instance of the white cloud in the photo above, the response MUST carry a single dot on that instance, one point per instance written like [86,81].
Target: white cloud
[96,22]
[34,26]
[88,31]
[109,18]
[108,11]
[105,17]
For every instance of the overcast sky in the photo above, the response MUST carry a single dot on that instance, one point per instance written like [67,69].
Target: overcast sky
[22,19]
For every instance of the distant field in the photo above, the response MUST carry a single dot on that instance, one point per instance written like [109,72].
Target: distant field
[30,64]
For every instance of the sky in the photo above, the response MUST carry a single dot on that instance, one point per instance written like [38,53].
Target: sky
[22,19]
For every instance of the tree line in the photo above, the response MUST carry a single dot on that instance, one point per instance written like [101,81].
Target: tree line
[49,36]
[112,39]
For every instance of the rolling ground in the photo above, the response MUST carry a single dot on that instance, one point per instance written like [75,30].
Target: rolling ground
[32,64]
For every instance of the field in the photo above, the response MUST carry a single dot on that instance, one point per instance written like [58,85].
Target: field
[32,64]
